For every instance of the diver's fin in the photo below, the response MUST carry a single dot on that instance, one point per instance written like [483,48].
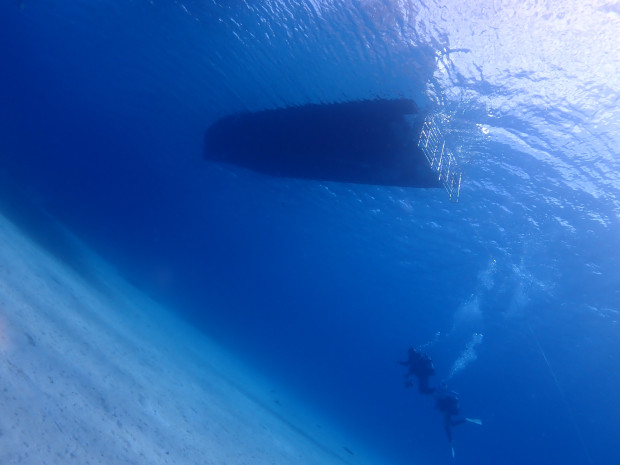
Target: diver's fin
[474,420]
[452,448]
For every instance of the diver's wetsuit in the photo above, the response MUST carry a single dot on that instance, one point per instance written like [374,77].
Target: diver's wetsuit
[421,366]
[448,404]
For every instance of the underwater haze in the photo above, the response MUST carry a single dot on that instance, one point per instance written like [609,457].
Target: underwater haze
[513,290]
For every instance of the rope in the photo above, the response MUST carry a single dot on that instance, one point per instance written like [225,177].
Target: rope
[562,396]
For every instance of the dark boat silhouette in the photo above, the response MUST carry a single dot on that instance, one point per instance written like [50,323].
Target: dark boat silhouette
[365,142]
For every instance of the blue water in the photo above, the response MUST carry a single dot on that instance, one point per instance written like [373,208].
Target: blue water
[103,108]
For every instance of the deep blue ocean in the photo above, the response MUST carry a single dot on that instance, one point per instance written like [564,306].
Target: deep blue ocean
[514,290]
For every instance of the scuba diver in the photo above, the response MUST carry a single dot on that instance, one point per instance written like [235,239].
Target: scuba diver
[421,366]
[447,402]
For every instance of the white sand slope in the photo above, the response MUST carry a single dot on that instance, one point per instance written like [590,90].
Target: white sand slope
[93,372]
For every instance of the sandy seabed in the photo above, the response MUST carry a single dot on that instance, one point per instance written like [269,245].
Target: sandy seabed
[94,372]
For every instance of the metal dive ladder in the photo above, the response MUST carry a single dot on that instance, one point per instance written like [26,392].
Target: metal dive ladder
[440,158]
